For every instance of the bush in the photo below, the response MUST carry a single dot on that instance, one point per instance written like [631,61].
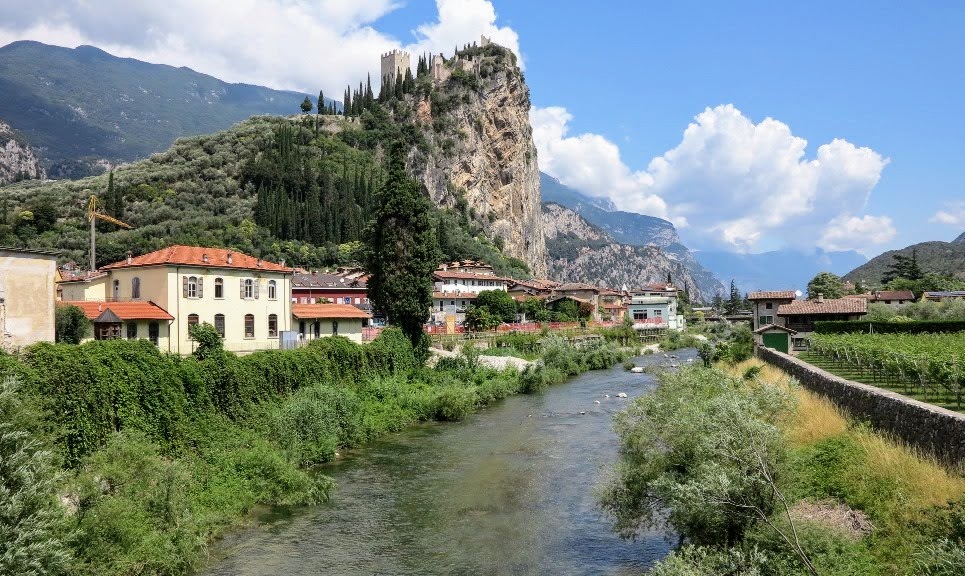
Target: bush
[454,402]
[71,324]
[629,365]
[534,379]
[314,422]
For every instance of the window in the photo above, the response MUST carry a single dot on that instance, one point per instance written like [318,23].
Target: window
[335,328]
[135,288]
[358,300]
[272,290]
[347,300]
[192,321]
[769,306]
[317,328]
[249,325]
[153,332]
[219,324]
[219,289]
[131,330]
[301,327]
[639,315]
[765,320]
[273,325]
[248,288]
[116,290]
[107,330]
[657,313]
[191,287]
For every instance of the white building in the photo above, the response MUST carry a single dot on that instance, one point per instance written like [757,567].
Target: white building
[655,306]
[457,284]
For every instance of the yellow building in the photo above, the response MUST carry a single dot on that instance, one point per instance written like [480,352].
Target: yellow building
[245,298]
[26,297]
[322,320]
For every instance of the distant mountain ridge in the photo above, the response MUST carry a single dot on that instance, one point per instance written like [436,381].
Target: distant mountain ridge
[81,108]
[630,229]
[785,269]
[946,258]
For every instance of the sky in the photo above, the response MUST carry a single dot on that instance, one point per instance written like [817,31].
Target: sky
[752,126]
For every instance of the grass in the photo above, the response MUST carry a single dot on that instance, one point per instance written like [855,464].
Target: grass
[936,395]
[905,493]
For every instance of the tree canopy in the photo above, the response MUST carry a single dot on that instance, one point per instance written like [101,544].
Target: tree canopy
[827,284]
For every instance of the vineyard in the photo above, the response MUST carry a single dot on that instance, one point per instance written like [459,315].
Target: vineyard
[929,367]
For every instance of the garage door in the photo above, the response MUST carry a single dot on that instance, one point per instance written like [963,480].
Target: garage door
[776,341]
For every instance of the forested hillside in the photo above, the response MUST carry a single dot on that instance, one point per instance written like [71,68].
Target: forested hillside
[275,187]
[941,258]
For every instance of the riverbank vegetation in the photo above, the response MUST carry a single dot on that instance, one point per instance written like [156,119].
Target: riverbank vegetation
[757,476]
[118,459]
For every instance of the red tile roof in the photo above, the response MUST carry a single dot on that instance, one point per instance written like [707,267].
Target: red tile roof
[79,276]
[336,311]
[772,295]
[894,295]
[199,256]
[835,306]
[123,310]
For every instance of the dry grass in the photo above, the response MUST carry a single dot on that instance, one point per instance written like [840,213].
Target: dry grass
[920,478]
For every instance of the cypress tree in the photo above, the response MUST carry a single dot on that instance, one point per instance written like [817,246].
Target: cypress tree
[402,251]
[321,101]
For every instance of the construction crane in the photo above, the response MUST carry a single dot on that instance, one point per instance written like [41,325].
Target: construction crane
[93,215]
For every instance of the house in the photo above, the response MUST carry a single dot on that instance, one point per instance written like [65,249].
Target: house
[457,284]
[946,295]
[522,290]
[322,320]
[129,320]
[655,312]
[893,298]
[764,305]
[245,298]
[613,304]
[800,315]
[27,295]
[347,286]
[775,337]
[581,293]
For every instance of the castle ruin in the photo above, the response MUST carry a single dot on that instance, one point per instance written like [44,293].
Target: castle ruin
[394,65]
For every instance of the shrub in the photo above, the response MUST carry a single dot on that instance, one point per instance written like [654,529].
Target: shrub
[454,402]
[71,324]
[314,422]
[534,379]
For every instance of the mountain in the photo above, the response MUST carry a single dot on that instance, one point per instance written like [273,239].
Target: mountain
[83,108]
[945,258]
[631,229]
[779,269]
[302,188]
[582,252]
[17,158]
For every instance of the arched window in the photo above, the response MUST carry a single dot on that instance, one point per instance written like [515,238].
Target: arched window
[273,325]
[249,325]
[191,287]
[192,321]
[153,332]
[247,288]
[219,289]
[131,330]
[116,290]
[135,288]
[272,290]
[219,322]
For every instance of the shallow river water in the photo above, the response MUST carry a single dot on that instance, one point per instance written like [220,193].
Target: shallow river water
[510,490]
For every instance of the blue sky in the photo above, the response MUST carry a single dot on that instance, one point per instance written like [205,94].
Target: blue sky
[874,88]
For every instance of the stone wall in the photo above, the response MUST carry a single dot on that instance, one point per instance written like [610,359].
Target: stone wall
[932,429]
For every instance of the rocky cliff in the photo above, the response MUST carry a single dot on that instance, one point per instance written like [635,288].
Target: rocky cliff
[581,252]
[17,159]
[481,149]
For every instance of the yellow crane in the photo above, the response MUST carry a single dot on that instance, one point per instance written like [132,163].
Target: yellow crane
[93,215]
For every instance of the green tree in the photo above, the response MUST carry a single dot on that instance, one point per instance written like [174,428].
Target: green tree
[307,105]
[535,310]
[208,339]
[480,318]
[903,267]
[402,251]
[827,284]
[31,521]
[71,325]
[733,304]
[499,304]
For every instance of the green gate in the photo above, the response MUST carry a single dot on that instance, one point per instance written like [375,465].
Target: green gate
[776,341]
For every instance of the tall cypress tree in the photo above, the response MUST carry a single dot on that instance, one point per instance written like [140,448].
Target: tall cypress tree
[402,251]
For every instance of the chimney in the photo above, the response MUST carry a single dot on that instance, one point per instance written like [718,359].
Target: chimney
[820,298]
[230,259]
[204,258]
[129,257]
[282,263]
[259,262]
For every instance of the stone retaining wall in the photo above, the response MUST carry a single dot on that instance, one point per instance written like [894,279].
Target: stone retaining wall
[932,429]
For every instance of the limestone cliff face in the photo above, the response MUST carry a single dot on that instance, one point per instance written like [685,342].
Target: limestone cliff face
[17,159]
[482,153]
[581,252]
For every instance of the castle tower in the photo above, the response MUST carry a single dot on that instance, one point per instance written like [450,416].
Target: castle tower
[484,41]
[394,65]
[439,71]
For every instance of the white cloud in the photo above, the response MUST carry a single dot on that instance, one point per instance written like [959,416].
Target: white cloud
[297,44]
[848,232]
[953,214]
[729,183]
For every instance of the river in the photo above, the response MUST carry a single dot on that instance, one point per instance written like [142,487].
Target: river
[510,490]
